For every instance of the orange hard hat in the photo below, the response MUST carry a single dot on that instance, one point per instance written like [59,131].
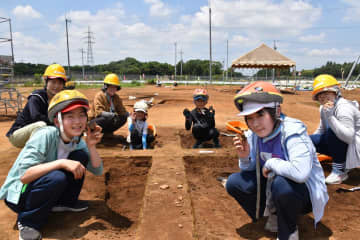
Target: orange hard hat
[258,92]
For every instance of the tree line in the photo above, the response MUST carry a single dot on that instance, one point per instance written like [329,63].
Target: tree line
[195,67]
[131,66]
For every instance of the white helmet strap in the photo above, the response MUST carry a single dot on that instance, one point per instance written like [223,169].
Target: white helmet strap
[62,132]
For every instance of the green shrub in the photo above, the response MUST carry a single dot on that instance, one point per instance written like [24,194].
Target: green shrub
[38,78]
[151,81]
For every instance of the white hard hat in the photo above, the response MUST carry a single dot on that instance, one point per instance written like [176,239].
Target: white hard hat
[140,106]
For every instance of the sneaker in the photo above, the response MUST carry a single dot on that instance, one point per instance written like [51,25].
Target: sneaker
[336,177]
[293,236]
[222,181]
[271,223]
[28,233]
[78,207]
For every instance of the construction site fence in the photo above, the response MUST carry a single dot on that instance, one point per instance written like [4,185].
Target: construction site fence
[283,81]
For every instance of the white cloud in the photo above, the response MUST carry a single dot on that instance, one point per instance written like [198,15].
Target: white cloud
[353,13]
[313,38]
[26,12]
[158,8]
[31,49]
[261,18]
[331,52]
[245,23]
[239,40]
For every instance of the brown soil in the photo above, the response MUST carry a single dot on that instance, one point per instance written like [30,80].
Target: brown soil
[128,203]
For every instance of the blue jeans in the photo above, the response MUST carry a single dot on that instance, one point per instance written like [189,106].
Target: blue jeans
[54,188]
[290,198]
[328,143]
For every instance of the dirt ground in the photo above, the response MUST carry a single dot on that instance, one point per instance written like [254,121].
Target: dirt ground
[126,202]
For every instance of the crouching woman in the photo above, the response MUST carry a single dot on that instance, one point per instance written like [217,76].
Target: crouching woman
[280,175]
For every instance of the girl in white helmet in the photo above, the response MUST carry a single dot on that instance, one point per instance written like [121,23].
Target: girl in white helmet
[49,172]
[138,127]
[280,175]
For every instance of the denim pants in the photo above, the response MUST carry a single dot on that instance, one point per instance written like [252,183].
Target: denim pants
[328,143]
[290,198]
[57,187]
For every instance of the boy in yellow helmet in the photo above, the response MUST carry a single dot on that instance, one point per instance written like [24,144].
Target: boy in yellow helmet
[34,114]
[108,109]
[49,172]
[338,134]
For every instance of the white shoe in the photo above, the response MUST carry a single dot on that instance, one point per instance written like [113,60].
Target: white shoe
[336,177]
[271,223]
[28,233]
[293,236]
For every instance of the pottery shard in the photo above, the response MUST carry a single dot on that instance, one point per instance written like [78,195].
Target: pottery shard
[164,186]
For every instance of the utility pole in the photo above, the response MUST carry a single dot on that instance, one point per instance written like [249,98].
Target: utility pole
[175,62]
[227,59]
[210,62]
[82,62]
[223,73]
[67,44]
[181,63]
[273,70]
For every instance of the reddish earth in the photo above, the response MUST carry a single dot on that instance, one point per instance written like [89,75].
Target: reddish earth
[126,202]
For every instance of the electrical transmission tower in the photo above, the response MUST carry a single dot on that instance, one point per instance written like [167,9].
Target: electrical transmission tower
[89,41]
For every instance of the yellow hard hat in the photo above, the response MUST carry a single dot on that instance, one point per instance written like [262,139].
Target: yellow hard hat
[323,83]
[55,71]
[112,79]
[65,101]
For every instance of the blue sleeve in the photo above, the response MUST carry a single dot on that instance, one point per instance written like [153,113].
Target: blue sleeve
[96,171]
[143,139]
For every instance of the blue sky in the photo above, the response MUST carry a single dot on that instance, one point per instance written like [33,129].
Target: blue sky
[308,32]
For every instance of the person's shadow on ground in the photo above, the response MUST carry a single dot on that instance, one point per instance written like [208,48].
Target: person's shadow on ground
[306,230]
[71,225]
